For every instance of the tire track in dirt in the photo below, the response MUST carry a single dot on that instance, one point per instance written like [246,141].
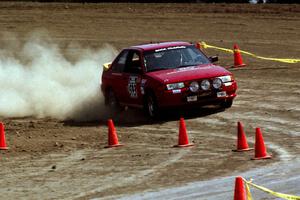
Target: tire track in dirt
[137,178]
[41,170]
[223,187]
[282,153]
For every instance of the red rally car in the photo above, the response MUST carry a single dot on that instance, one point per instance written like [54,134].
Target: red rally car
[164,75]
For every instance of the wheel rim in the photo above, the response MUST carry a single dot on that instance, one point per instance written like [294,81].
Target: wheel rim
[150,107]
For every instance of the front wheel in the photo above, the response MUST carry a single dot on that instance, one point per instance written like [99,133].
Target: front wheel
[151,107]
[227,103]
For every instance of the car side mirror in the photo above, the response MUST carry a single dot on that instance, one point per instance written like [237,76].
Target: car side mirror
[213,59]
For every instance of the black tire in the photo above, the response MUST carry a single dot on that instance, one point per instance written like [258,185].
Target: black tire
[111,101]
[227,103]
[151,107]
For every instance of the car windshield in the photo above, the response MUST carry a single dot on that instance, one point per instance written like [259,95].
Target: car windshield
[173,57]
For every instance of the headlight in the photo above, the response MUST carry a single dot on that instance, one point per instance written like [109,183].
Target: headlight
[194,86]
[174,86]
[225,79]
[217,83]
[205,85]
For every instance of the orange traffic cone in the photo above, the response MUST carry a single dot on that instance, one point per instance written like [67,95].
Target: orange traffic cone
[112,135]
[238,61]
[260,149]
[2,138]
[183,140]
[239,190]
[198,45]
[242,144]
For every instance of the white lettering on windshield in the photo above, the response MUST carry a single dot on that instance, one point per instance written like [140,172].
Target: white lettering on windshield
[178,47]
[170,48]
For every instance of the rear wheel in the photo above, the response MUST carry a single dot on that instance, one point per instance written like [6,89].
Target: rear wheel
[111,101]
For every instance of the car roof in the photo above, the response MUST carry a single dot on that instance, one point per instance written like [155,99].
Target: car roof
[153,46]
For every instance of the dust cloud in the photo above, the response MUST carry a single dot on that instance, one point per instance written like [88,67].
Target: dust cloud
[40,79]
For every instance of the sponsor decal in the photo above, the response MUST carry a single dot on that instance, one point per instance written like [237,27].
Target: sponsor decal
[221,94]
[132,86]
[176,91]
[192,98]
[143,82]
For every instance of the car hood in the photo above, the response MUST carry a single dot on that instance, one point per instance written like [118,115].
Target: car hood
[189,73]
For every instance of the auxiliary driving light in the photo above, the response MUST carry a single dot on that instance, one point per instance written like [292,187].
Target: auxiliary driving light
[205,85]
[194,86]
[217,83]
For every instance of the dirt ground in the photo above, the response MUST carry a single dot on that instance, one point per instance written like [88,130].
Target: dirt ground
[54,159]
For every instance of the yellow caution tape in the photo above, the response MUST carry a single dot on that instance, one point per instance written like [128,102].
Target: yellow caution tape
[249,197]
[205,46]
[277,194]
[285,60]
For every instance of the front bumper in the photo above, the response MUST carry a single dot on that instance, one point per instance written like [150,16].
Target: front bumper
[184,97]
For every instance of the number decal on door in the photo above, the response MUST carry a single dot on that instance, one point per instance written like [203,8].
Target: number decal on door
[132,86]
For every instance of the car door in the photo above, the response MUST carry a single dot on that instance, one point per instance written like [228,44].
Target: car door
[132,77]
[118,80]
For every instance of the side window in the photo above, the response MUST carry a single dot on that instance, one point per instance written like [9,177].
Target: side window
[119,64]
[133,64]
[198,56]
